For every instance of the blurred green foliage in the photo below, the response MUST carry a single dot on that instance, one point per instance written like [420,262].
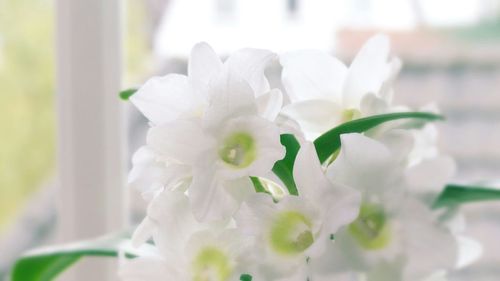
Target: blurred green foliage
[27,126]
[485,32]
[27,100]
[138,40]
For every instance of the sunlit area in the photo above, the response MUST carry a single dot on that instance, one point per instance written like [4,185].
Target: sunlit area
[451,63]
[27,122]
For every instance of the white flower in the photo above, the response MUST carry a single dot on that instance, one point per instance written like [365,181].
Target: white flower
[364,215]
[167,98]
[211,130]
[231,142]
[394,235]
[325,93]
[406,243]
[292,233]
[187,250]
[150,175]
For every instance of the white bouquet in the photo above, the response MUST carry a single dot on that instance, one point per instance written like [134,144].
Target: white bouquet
[318,178]
[247,181]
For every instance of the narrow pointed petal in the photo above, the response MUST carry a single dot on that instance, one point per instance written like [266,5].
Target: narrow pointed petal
[364,164]
[209,199]
[469,251]
[430,247]
[269,104]
[308,173]
[368,71]
[431,175]
[147,175]
[230,96]
[182,140]
[314,116]
[163,99]
[250,64]
[204,64]
[312,74]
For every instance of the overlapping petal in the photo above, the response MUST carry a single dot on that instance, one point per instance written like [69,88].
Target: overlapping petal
[250,64]
[312,74]
[163,99]
[362,215]
[181,140]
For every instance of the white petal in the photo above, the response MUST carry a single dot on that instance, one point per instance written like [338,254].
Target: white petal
[341,255]
[469,251]
[429,246]
[150,176]
[368,71]
[171,231]
[254,212]
[363,164]
[269,104]
[230,96]
[250,65]
[342,205]
[288,125]
[210,200]
[300,273]
[308,173]
[163,99]
[143,232]
[314,116]
[312,74]
[147,268]
[386,91]
[437,276]
[431,175]
[182,140]
[387,271]
[337,277]
[239,189]
[204,64]
[266,136]
[399,141]
[373,105]
[147,175]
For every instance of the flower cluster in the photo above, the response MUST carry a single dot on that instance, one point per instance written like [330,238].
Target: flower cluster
[238,190]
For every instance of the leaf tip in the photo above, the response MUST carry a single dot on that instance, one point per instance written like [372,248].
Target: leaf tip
[126,94]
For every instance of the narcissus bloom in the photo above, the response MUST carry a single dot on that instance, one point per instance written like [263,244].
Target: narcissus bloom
[187,250]
[325,93]
[210,130]
[219,208]
[173,96]
[395,236]
[294,232]
[231,142]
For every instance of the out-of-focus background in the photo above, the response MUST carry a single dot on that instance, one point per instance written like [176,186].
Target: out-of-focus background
[450,49]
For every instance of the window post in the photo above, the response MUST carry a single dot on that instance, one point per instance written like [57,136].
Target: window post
[90,125]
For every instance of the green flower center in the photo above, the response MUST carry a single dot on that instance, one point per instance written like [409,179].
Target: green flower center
[291,233]
[238,150]
[371,229]
[211,264]
[350,114]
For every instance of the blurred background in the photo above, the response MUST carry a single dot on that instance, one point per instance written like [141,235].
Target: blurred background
[450,49]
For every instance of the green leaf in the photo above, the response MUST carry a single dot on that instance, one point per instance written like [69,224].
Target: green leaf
[257,184]
[284,168]
[45,264]
[126,94]
[454,195]
[329,142]
[246,277]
